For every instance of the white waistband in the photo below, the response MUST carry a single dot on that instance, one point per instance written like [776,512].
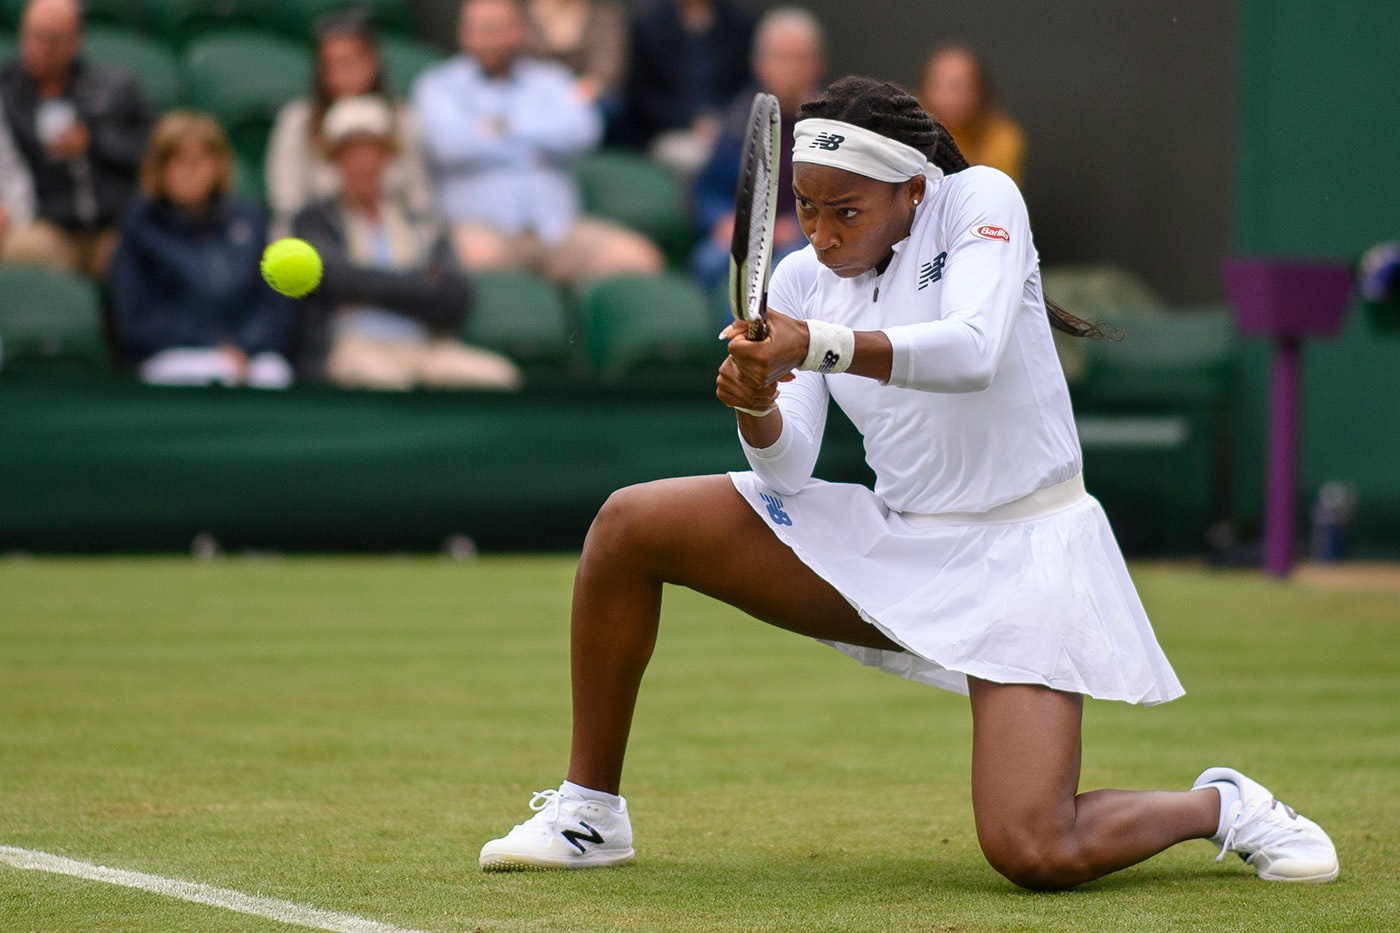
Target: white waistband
[1040,503]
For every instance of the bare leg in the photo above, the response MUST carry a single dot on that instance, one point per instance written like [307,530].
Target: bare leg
[697,532]
[1032,824]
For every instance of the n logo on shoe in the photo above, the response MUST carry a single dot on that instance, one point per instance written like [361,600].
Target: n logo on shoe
[572,837]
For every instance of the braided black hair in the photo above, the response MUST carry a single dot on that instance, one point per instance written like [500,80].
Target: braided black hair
[888,109]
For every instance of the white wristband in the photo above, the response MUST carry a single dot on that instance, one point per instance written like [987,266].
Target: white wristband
[757,414]
[829,347]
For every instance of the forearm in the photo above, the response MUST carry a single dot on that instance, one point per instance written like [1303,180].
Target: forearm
[874,356]
[942,356]
[782,446]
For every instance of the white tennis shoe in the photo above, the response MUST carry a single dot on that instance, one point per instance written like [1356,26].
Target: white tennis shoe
[565,832]
[1279,843]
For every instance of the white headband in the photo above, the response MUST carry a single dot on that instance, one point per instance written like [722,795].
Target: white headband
[855,149]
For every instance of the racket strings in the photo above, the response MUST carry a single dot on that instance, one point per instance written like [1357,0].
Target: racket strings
[758,222]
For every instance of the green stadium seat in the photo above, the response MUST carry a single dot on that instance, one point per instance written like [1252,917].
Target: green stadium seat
[129,13]
[242,78]
[249,178]
[647,326]
[523,317]
[1098,291]
[46,315]
[153,65]
[297,18]
[179,22]
[404,59]
[633,191]
[1164,360]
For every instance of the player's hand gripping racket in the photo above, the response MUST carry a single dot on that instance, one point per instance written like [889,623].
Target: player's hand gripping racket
[755,213]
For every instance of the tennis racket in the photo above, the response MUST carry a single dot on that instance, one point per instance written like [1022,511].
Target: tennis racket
[755,212]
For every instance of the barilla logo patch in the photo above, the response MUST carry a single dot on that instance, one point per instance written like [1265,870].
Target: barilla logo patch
[988,232]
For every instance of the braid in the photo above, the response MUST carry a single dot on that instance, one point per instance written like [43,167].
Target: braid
[890,110]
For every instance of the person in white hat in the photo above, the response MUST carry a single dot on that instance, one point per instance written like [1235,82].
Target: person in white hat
[977,563]
[392,297]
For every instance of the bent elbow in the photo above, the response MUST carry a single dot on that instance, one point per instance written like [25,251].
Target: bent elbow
[783,485]
[974,380]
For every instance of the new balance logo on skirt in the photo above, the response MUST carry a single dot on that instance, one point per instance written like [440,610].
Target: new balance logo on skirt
[775,509]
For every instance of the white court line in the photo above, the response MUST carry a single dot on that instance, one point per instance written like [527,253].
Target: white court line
[283,911]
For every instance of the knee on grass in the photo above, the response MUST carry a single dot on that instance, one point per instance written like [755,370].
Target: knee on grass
[1037,862]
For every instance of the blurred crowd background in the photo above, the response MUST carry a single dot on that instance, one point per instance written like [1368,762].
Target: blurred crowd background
[538,193]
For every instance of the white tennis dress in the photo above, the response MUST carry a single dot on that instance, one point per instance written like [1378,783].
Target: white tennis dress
[978,550]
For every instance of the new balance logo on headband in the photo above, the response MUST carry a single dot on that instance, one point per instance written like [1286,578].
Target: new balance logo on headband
[828,141]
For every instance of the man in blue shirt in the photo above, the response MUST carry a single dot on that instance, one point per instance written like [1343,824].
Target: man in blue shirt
[788,62]
[501,132]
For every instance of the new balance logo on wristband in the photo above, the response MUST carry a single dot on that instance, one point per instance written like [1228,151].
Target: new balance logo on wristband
[775,509]
[931,272]
[572,836]
[828,141]
[829,361]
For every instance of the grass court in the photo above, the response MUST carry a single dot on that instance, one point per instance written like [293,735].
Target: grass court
[345,733]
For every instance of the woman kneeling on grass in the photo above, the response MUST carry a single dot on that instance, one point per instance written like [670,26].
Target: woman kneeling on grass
[978,564]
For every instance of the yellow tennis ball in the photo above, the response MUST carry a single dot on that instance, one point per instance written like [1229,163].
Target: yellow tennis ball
[291,266]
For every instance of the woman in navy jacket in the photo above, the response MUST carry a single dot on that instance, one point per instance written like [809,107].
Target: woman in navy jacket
[190,305]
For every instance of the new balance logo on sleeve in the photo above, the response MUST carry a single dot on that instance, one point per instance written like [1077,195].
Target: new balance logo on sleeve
[828,141]
[775,509]
[931,272]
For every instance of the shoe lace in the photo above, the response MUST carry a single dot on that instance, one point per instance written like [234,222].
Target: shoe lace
[1259,826]
[544,799]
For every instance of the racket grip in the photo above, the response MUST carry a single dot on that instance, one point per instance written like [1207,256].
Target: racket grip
[758,330]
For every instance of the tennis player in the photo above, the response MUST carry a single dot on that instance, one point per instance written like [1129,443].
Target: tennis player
[978,563]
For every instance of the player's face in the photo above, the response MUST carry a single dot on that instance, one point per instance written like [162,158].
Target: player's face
[852,221]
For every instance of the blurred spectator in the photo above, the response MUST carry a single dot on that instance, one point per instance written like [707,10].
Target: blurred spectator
[689,59]
[590,39]
[348,64]
[502,132]
[392,295]
[190,305]
[80,129]
[957,90]
[788,62]
[16,185]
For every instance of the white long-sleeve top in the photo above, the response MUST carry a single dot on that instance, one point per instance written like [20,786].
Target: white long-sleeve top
[976,412]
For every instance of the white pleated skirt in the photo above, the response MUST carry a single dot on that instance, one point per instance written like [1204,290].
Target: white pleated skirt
[1031,592]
